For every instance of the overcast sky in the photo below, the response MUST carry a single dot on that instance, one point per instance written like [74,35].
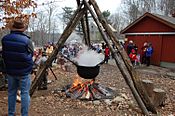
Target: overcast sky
[110,5]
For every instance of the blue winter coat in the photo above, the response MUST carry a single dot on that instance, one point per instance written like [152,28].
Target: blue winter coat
[149,52]
[16,54]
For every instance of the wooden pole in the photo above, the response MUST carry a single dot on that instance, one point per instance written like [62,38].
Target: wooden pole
[53,73]
[121,68]
[134,76]
[85,27]
[124,58]
[136,80]
[68,30]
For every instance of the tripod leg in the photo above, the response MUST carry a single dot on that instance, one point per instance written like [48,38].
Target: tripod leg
[53,73]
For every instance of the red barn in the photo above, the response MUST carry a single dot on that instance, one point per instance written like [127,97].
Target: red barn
[160,31]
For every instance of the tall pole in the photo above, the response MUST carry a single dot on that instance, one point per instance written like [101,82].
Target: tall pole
[85,27]
[68,30]
[136,80]
[117,60]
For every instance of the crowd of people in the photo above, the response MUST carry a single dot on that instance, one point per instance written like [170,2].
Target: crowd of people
[20,59]
[143,57]
[71,51]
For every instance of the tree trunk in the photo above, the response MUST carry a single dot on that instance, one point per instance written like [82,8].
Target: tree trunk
[149,86]
[159,97]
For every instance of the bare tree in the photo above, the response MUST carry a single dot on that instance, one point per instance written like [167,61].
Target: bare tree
[42,28]
[51,9]
[118,21]
[131,9]
[147,5]
[167,6]
[135,8]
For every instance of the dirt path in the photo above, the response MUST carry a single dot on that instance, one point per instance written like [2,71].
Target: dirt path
[51,103]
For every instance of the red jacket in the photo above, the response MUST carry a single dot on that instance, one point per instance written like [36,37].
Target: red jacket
[133,57]
[106,51]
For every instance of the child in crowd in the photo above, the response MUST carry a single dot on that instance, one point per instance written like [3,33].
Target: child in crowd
[61,61]
[134,57]
[149,52]
[107,54]
[40,63]
[143,51]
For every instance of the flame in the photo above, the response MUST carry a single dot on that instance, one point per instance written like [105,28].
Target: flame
[77,81]
[80,86]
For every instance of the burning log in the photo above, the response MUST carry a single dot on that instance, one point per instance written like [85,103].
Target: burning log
[88,90]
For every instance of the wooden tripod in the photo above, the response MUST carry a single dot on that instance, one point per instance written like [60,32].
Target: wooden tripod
[122,61]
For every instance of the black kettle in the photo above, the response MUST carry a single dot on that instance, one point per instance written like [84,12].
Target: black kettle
[87,72]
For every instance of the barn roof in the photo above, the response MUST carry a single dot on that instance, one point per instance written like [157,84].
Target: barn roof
[169,21]
[166,18]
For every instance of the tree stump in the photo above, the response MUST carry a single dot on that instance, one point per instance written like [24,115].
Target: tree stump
[159,97]
[149,86]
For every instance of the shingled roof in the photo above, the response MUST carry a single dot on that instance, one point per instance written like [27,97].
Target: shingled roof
[166,18]
[170,21]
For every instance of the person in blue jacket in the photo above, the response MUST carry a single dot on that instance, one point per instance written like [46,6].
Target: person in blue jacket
[17,52]
[149,52]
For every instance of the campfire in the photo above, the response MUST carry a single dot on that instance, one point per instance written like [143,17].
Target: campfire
[84,85]
[88,90]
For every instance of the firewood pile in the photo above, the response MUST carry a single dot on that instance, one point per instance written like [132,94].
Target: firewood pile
[89,90]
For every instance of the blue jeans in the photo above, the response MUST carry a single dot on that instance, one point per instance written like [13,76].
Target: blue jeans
[15,83]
